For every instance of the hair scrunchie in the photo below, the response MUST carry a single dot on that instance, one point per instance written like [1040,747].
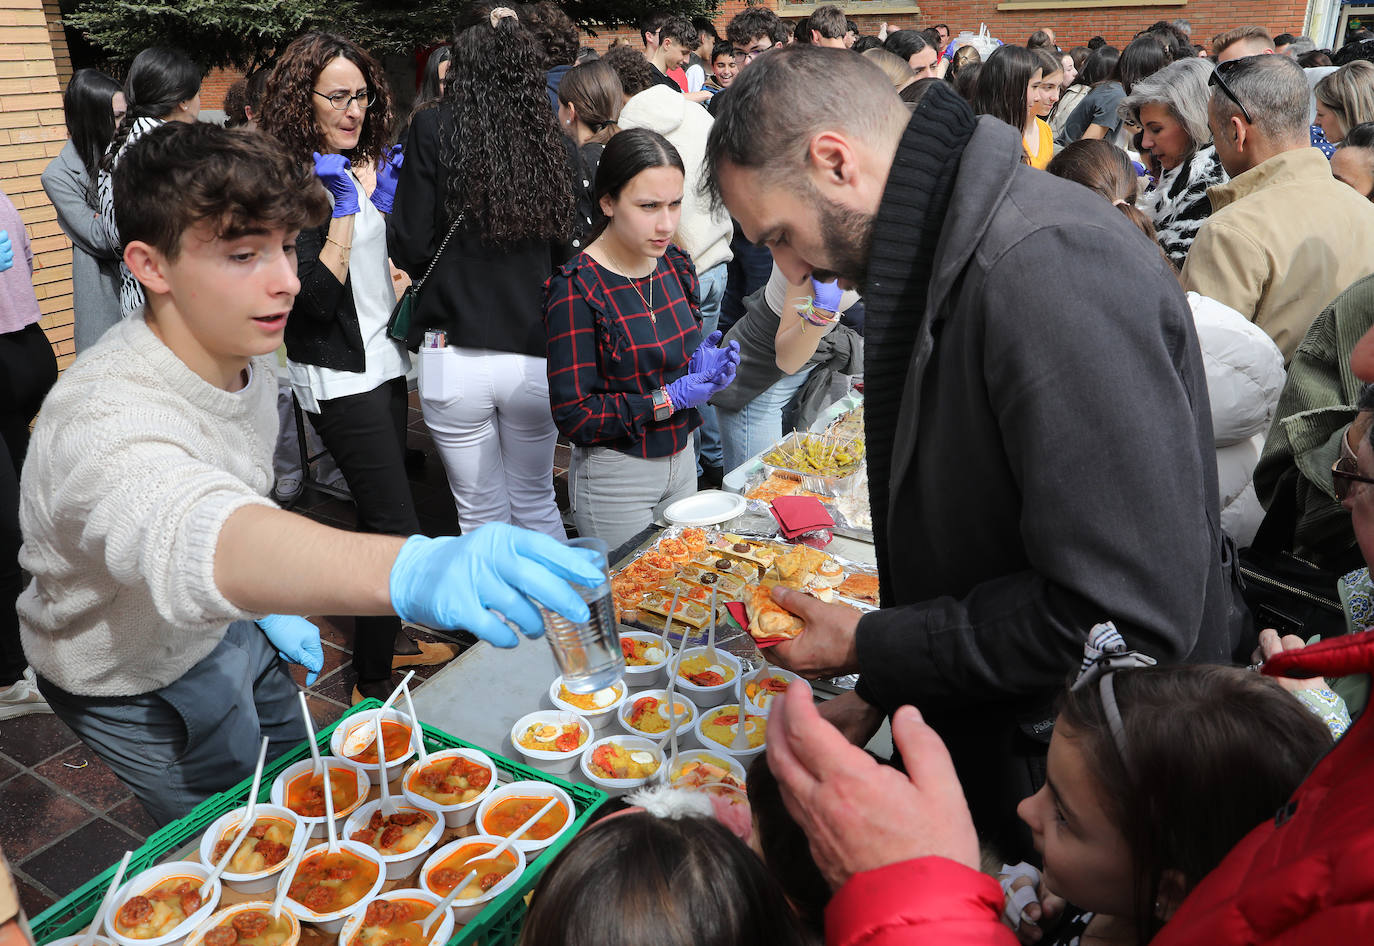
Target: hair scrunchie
[502,13]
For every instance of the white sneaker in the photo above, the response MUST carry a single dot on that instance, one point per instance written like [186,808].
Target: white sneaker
[22,697]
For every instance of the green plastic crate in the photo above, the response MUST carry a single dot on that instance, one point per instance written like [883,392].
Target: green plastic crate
[497,925]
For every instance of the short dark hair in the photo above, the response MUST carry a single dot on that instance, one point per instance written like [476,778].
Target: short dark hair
[257,85]
[681,31]
[652,22]
[723,48]
[637,878]
[235,97]
[1143,56]
[1096,42]
[555,35]
[829,21]
[905,43]
[1230,37]
[634,71]
[1040,38]
[932,38]
[801,30]
[1315,59]
[1174,40]
[703,25]
[1284,39]
[851,27]
[1193,732]
[753,22]
[180,175]
[864,43]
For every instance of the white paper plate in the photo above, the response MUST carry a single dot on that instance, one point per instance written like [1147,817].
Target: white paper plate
[705,508]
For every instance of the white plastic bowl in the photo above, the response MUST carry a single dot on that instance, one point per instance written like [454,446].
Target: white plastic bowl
[599,719]
[455,816]
[539,790]
[357,721]
[709,755]
[711,745]
[73,940]
[399,865]
[316,825]
[555,763]
[649,675]
[705,697]
[227,913]
[438,934]
[620,786]
[766,706]
[464,910]
[147,880]
[331,923]
[227,825]
[685,722]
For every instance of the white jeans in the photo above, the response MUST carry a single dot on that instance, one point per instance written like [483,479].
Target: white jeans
[496,436]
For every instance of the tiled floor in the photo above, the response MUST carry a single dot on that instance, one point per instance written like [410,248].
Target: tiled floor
[64,816]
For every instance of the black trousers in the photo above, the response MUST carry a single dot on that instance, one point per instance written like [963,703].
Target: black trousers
[28,369]
[366,433]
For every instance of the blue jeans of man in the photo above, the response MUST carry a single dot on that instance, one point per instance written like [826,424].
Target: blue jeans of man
[759,424]
[712,292]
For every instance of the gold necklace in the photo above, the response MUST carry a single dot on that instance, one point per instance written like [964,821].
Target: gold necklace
[649,302]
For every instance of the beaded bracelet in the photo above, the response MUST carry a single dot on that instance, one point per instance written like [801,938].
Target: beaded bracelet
[806,310]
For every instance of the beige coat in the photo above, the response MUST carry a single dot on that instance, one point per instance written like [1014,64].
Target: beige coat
[1284,239]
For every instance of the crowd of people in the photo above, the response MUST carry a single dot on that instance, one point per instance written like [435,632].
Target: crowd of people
[1114,314]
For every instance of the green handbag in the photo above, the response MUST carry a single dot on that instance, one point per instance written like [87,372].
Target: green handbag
[398,326]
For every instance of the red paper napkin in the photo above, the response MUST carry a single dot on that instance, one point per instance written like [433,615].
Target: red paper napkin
[798,515]
[741,616]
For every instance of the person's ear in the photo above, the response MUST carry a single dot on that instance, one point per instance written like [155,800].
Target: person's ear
[572,113]
[815,37]
[607,203]
[148,265]
[1173,888]
[1240,131]
[833,160]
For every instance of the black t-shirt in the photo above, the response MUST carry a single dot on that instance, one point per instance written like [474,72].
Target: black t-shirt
[664,79]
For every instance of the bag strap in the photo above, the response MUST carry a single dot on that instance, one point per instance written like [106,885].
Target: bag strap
[440,252]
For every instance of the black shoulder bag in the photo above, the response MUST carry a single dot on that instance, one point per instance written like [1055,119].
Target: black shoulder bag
[398,326]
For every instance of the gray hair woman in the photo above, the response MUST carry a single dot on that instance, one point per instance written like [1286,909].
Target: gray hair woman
[1170,108]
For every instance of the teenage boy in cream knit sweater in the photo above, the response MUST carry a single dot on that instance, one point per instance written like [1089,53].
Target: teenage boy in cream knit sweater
[157,559]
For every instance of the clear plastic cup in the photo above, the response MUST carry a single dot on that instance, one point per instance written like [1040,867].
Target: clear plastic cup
[588,654]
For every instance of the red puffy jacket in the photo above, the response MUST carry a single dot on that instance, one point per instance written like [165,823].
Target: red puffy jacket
[1304,878]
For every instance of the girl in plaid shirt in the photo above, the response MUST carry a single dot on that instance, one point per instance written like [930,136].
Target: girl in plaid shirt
[627,364]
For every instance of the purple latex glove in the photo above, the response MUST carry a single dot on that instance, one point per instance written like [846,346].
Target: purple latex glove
[826,295]
[709,359]
[388,173]
[332,170]
[694,390]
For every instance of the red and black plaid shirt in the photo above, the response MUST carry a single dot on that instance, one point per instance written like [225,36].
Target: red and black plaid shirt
[607,356]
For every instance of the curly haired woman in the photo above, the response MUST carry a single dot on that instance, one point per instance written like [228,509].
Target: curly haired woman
[327,101]
[489,166]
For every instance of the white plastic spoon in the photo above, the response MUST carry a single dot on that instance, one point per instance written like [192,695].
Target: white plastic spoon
[741,740]
[89,938]
[360,737]
[417,738]
[244,828]
[388,806]
[711,654]
[329,813]
[445,903]
[310,728]
[288,873]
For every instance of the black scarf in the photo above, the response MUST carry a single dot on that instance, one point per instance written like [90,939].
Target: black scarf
[905,237]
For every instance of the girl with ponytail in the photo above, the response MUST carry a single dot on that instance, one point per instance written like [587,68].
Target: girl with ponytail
[589,100]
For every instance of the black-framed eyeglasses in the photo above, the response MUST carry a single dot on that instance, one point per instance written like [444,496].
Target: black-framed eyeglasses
[1344,475]
[341,100]
[1220,83]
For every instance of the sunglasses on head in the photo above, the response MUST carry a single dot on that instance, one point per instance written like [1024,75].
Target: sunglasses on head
[1219,82]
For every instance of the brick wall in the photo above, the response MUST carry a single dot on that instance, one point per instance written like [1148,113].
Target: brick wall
[1073,24]
[32,131]
[215,84]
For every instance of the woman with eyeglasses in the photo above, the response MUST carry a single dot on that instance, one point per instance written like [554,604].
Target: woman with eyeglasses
[328,103]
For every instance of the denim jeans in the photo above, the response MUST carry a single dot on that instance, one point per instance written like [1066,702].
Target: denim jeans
[614,495]
[759,424]
[708,434]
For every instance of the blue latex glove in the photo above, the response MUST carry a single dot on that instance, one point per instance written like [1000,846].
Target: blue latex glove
[388,173]
[6,251]
[708,359]
[332,170]
[694,390]
[826,295]
[297,641]
[457,581]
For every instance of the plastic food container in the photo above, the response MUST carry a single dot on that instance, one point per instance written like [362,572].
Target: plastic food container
[228,825]
[365,721]
[228,913]
[621,786]
[464,910]
[316,825]
[768,699]
[743,755]
[399,865]
[600,718]
[537,790]
[840,484]
[147,880]
[331,923]
[555,763]
[647,675]
[685,721]
[455,816]
[705,697]
[439,933]
[714,757]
